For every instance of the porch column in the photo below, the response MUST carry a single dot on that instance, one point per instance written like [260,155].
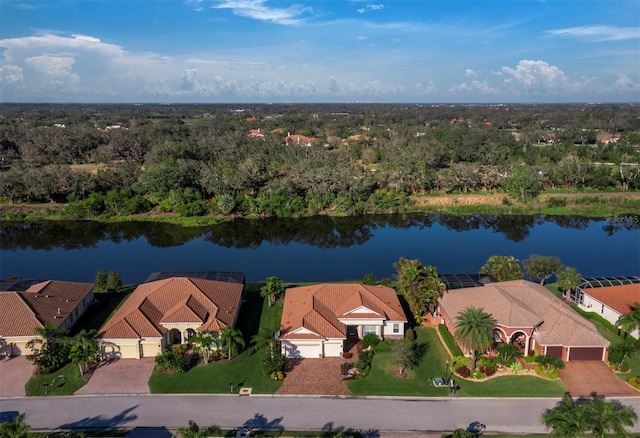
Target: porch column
[526,346]
[181,336]
[359,332]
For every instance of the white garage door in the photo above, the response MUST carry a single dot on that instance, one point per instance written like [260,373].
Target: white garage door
[304,350]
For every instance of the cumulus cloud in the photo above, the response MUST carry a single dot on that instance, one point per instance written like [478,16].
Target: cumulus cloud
[333,85]
[10,75]
[368,8]
[624,84]
[470,73]
[598,33]
[59,67]
[189,81]
[425,90]
[258,10]
[475,87]
[538,77]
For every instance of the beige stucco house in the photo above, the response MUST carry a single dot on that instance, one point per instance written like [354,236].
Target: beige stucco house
[169,311]
[317,321]
[531,317]
[29,304]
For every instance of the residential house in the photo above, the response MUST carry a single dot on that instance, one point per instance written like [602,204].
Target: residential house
[529,316]
[299,139]
[322,320]
[609,297]
[29,304]
[169,310]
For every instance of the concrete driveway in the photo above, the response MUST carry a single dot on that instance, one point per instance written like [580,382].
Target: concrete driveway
[582,377]
[120,376]
[14,374]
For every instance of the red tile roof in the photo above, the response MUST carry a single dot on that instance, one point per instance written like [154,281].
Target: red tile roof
[213,304]
[312,312]
[48,301]
[619,298]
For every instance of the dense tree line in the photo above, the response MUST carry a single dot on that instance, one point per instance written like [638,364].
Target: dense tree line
[110,160]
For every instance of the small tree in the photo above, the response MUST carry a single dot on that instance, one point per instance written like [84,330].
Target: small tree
[619,352]
[542,267]
[15,428]
[83,349]
[114,281]
[204,343]
[549,364]
[272,289]
[507,351]
[194,431]
[101,280]
[522,183]
[502,268]
[630,321]
[49,351]
[405,354]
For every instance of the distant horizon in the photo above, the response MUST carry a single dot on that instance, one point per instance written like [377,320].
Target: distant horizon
[320,51]
[629,103]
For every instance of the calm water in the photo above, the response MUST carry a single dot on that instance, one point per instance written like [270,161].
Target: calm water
[315,249]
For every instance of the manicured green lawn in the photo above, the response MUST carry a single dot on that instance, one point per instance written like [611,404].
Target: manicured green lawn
[243,370]
[65,381]
[381,380]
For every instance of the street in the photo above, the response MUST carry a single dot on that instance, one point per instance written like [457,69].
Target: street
[374,415]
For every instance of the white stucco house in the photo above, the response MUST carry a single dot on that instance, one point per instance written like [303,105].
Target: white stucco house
[318,320]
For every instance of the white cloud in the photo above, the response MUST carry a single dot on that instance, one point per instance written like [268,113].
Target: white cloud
[55,66]
[258,10]
[470,73]
[598,33]
[368,8]
[333,85]
[624,84]
[426,90]
[474,88]
[538,77]
[10,75]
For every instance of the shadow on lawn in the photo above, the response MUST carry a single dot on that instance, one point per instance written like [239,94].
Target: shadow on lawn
[102,422]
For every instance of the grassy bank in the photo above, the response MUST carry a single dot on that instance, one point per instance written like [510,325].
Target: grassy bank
[587,204]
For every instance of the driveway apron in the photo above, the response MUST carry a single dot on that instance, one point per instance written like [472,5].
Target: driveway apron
[313,376]
[120,376]
[14,374]
[583,377]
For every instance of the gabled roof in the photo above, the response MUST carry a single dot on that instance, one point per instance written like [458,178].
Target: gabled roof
[210,304]
[619,298]
[322,308]
[524,304]
[47,301]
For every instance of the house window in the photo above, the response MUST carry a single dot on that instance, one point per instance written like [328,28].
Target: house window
[396,328]
[369,329]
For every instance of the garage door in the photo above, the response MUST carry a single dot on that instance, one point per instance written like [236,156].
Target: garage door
[303,350]
[585,353]
[555,351]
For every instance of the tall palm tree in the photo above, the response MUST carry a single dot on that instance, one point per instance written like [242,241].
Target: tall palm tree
[231,338]
[474,330]
[272,289]
[420,285]
[568,280]
[265,340]
[609,416]
[566,419]
[630,321]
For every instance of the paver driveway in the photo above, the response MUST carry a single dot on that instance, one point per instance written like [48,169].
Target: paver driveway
[583,377]
[14,374]
[313,376]
[120,376]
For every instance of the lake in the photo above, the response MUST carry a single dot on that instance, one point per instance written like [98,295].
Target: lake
[315,249]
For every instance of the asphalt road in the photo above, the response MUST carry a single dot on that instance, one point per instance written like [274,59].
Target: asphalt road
[376,415]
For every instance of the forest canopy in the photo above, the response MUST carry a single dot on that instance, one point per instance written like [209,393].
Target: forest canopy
[292,160]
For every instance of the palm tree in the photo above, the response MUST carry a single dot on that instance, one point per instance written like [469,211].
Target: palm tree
[420,285]
[203,343]
[568,280]
[194,431]
[232,339]
[83,349]
[566,419]
[265,340]
[605,416]
[502,268]
[474,330]
[630,321]
[272,289]
[16,428]
[53,354]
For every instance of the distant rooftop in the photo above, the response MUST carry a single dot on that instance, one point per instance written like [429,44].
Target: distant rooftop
[459,281]
[589,282]
[226,276]
[18,284]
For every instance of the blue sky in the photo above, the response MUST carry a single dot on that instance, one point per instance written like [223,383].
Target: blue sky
[320,51]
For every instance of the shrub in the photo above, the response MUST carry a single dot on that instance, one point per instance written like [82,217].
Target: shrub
[549,374]
[476,374]
[516,367]
[345,367]
[179,348]
[556,202]
[171,361]
[370,340]
[463,371]
[634,381]
[487,371]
